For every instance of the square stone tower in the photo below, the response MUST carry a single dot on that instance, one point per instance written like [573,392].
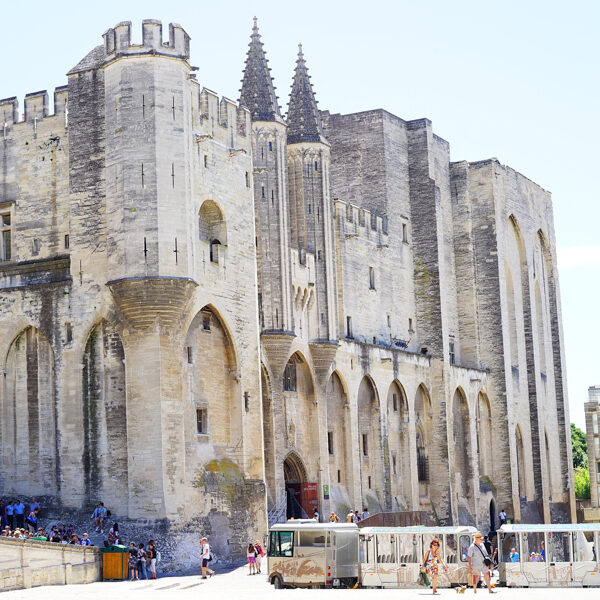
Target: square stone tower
[592,426]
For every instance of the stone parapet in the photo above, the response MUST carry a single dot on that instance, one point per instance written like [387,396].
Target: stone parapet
[29,563]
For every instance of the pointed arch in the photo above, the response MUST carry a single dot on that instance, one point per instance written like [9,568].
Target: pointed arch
[423,433]
[29,442]
[339,438]
[461,441]
[211,222]
[398,442]
[370,444]
[104,416]
[212,383]
[484,434]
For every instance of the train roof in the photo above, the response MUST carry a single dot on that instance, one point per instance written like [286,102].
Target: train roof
[458,529]
[311,524]
[549,528]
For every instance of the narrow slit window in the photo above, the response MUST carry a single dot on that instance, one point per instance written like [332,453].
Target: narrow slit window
[404,233]
[289,377]
[247,179]
[206,161]
[5,237]
[365,444]
[339,476]
[369,481]
[67,242]
[395,402]
[202,420]
[371,278]
[270,146]
[330,442]
[190,355]
[349,327]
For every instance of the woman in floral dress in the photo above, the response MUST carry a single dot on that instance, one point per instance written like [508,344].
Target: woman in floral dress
[432,561]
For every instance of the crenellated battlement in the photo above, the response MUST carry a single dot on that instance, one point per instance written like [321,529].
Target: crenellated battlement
[36,106]
[224,112]
[117,40]
[355,221]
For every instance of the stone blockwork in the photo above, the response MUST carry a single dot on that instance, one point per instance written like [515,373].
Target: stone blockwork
[209,312]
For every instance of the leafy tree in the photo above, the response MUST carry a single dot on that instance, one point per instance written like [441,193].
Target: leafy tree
[582,483]
[579,446]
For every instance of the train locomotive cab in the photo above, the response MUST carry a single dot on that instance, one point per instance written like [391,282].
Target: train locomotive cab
[314,555]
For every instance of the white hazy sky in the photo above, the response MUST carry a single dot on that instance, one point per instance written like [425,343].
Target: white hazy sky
[518,80]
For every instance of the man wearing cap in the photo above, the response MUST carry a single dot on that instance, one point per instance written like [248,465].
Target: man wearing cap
[205,557]
[477,556]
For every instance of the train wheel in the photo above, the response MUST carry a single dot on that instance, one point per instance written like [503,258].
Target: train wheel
[277,583]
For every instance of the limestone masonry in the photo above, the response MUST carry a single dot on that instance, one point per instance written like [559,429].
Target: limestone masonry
[212,314]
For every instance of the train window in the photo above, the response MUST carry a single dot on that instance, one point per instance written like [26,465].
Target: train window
[281,543]
[386,548]
[510,548]
[311,538]
[465,542]
[583,546]
[366,549]
[558,546]
[532,546]
[407,548]
[451,548]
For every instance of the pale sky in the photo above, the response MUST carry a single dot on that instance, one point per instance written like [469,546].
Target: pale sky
[518,80]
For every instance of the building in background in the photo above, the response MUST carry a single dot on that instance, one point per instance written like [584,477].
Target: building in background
[592,419]
[215,314]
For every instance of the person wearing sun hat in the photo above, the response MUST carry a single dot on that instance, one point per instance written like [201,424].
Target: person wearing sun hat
[480,563]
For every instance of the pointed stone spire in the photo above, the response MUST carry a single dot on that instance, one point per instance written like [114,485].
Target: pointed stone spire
[304,121]
[258,92]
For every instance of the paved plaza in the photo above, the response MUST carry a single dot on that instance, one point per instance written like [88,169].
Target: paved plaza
[237,585]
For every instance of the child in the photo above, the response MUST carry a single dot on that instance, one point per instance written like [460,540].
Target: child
[251,559]
[133,557]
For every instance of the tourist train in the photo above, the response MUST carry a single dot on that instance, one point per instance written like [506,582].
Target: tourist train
[305,553]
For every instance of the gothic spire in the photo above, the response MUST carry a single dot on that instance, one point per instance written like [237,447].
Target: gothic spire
[258,92]
[304,121]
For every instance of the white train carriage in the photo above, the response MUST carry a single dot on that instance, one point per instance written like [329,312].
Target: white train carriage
[559,555]
[391,556]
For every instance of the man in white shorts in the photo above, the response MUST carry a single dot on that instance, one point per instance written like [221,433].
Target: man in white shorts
[477,555]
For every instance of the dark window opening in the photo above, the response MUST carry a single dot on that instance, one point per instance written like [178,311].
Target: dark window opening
[394,464]
[67,242]
[349,327]
[422,466]
[404,233]
[201,420]
[369,481]
[371,278]
[389,321]
[339,476]
[262,191]
[214,251]
[330,442]
[190,355]
[365,444]
[247,179]
[289,377]
[270,146]
[206,322]
[452,354]
[206,162]
[395,402]
[69,332]
[5,237]
[316,166]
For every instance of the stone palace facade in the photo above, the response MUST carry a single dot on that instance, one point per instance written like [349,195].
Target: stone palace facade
[213,313]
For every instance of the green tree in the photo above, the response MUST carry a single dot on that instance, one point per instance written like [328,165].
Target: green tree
[582,483]
[579,446]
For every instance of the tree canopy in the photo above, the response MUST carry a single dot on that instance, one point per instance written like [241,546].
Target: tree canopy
[579,446]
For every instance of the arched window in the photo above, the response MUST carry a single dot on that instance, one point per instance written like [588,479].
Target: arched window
[212,228]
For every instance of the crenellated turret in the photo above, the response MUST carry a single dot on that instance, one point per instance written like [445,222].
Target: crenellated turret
[311,211]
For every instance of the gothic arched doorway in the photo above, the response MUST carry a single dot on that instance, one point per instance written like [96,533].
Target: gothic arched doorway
[301,496]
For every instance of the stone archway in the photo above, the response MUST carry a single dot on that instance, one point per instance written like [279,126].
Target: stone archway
[302,497]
